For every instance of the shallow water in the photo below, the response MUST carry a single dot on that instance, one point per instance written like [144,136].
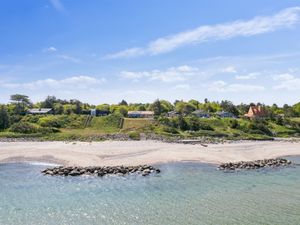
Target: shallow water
[182,194]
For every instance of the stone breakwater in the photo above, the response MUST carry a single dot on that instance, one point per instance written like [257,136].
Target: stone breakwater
[143,170]
[257,164]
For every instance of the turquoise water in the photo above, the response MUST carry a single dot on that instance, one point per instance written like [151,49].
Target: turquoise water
[182,194]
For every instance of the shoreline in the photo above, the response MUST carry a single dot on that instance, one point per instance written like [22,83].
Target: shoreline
[115,153]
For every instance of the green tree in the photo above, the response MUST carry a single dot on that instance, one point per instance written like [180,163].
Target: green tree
[157,107]
[4,117]
[21,102]
[123,102]
[103,107]
[296,109]
[229,107]
[49,102]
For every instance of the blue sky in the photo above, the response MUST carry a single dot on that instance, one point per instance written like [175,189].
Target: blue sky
[109,50]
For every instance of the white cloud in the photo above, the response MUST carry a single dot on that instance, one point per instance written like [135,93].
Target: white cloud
[283,77]
[287,82]
[71,83]
[250,76]
[57,5]
[128,53]
[69,58]
[172,74]
[221,86]
[50,49]
[181,87]
[229,69]
[258,25]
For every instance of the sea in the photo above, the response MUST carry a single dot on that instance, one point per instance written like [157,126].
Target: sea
[183,193]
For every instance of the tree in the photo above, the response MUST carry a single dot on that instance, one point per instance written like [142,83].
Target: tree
[194,103]
[49,102]
[4,118]
[296,109]
[58,108]
[20,102]
[78,107]
[123,102]
[156,107]
[103,107]
[229,107]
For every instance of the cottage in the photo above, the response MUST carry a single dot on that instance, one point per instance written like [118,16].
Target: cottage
[140,114]
[226,114]
[201,114]
[255,112]
[39,111]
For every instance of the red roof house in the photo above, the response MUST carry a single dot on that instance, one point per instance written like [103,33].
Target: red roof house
[255,112]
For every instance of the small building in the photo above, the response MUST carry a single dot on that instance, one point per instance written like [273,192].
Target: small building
[224,114]
[140,114]
[39,111]
[201,113]
[97,112]
[255,112]
[172,114]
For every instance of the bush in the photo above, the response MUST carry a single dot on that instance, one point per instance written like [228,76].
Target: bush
[134,135]
[24,127]
[170,130]
[234,124]
[205,126]
[259,128]
[52,121]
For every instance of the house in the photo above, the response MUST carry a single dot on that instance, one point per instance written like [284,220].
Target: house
[255,112]
[97,112]
[201,114]
[140,114]
[172,114]
[39,111]
[224,114]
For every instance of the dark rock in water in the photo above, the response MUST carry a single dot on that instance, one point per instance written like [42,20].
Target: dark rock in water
[144,170]
[254,164]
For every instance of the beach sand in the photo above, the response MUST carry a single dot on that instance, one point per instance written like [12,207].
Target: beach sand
[141,152]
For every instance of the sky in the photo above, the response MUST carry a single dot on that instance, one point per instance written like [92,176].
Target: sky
[108,50]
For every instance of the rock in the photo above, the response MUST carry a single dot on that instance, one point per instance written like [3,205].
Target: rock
[254,164]
[144,170]
[74,173]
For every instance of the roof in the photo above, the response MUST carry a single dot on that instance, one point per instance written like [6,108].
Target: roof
[226,114]
[199,111]
[256,111]
[39,110]
[141,112]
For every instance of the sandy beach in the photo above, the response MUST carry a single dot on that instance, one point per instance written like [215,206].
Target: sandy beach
[141,152]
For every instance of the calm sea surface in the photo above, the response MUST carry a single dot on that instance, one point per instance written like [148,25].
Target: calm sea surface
[182,194]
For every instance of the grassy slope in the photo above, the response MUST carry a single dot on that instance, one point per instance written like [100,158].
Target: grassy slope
[111,124]
[138,123]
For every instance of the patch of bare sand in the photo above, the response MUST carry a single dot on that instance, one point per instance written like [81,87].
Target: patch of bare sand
[141,152]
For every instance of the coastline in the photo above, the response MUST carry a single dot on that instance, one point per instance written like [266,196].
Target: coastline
[114,153]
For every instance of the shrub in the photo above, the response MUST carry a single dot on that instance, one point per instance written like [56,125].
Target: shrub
[205,126]
[134,135]
[170,130]
[24,127]
[51,121]
[259,128]
[31,118]
[234,124]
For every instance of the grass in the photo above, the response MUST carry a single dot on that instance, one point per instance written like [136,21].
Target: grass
[71,128]
[136,123]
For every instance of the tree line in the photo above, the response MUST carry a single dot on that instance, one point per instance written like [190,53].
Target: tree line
[19,105]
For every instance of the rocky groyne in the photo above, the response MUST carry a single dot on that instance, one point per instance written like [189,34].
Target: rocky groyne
[257,164]
[143,170]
